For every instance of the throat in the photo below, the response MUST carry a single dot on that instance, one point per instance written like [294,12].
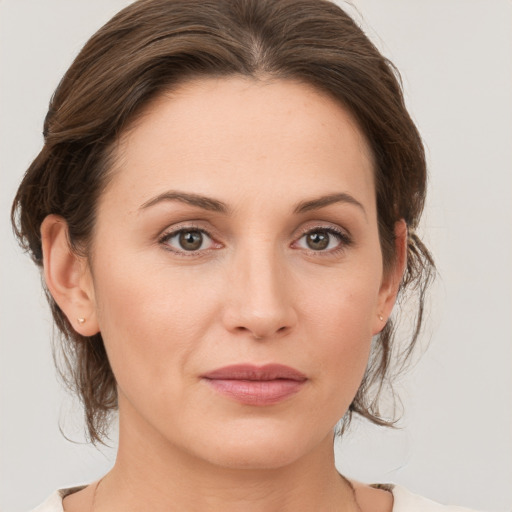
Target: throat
[248,490]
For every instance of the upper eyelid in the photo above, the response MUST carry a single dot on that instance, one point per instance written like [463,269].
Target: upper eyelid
[171,232]
[297,234]
[344,237]
[164,238]
[184,226]
[328,226]
[333,231]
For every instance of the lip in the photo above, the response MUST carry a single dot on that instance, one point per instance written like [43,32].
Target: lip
[256,385]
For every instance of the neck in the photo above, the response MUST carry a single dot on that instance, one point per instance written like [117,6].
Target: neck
[152,474]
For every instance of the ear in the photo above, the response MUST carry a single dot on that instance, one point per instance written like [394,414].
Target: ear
[68,276]
[392,279]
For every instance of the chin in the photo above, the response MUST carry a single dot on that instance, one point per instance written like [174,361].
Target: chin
[261,447]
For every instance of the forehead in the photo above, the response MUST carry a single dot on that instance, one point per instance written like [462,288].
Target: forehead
[236,138]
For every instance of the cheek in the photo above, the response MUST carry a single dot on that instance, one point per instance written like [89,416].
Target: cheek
[343,332]
[344,305]
[339,320]
[151,322]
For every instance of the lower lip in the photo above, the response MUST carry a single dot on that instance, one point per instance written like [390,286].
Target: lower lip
[257,392]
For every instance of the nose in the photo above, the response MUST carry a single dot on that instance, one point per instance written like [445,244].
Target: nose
[260,299]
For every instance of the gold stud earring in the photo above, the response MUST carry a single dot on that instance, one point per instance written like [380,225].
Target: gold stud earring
[81,320]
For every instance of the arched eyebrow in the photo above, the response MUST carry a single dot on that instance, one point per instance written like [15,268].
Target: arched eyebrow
[322,202]
[206,203]
[211,204]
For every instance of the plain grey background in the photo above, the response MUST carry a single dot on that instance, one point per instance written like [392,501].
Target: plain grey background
[455,446]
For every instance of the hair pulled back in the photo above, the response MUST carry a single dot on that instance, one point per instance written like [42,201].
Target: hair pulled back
[152,46]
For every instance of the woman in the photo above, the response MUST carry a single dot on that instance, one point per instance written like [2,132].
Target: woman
[225,211]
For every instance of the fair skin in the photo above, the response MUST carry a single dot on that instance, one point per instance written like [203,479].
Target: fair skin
[277,262]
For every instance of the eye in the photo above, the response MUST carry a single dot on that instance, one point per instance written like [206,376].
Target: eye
[322,240]
[188,240]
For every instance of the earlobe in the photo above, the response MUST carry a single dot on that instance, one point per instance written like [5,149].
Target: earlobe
[68,277]
[391,282]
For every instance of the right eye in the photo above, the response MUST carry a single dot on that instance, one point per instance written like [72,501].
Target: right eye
[188,240]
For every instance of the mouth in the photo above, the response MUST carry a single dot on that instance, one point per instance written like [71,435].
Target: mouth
[256,385]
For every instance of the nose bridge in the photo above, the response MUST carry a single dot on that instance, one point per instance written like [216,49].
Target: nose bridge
[260,302]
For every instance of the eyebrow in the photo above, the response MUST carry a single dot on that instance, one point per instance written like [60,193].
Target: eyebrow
[208,203]
[322,202]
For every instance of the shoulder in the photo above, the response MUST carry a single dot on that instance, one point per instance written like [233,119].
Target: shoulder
[54,502]
[406,501]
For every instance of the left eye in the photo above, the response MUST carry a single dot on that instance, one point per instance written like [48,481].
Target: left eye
[188,240]
[320,240]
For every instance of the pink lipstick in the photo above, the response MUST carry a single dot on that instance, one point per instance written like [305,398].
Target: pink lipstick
[256,385]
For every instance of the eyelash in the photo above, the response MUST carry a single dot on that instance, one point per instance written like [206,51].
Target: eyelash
[342,237]
[166,237]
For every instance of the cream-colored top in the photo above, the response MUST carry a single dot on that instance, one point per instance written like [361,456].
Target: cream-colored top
[404,501]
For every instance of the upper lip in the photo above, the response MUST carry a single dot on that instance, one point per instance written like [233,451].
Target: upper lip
[256,373]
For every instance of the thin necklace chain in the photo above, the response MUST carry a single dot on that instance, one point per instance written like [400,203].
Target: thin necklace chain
[351,487]
[94,494]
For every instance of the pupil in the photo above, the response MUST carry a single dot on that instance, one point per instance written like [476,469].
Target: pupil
[317,240]
[191,240]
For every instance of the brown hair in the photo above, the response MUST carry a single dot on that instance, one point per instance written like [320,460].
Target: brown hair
[151,46]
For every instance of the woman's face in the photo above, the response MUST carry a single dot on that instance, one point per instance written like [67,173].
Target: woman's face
[239,228]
